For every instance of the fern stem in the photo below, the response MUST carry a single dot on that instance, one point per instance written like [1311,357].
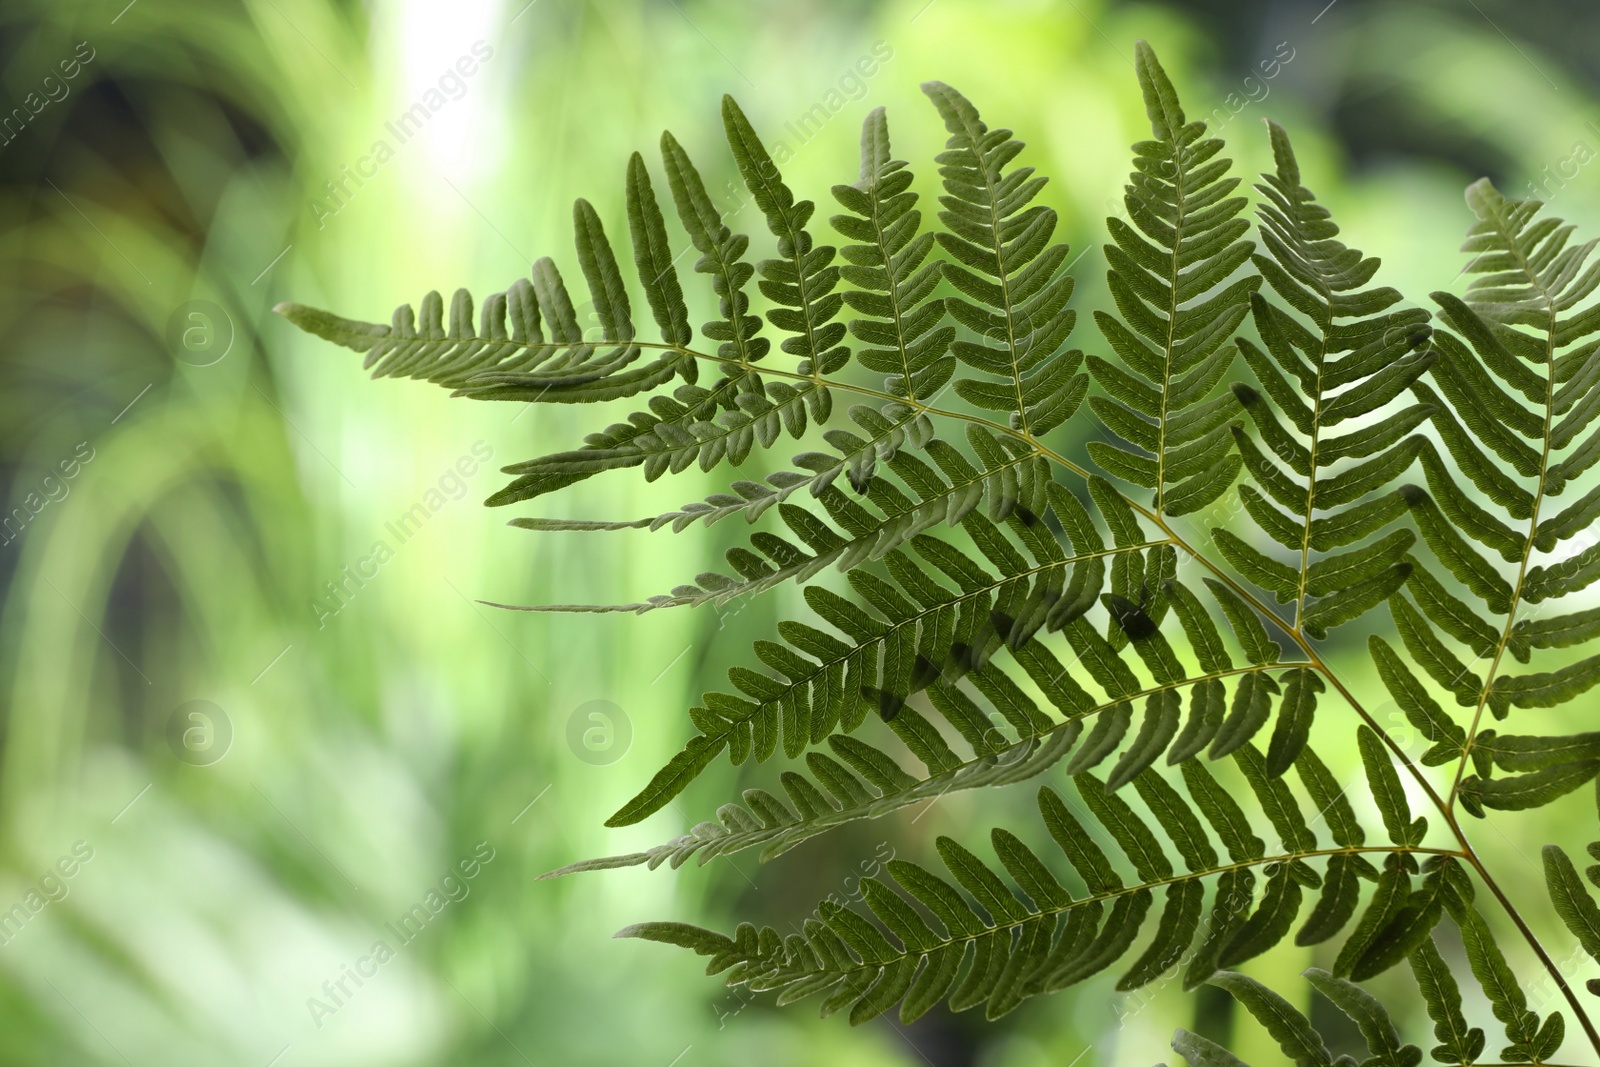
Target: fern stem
[1172,327]
[1005,295]
[1311,476]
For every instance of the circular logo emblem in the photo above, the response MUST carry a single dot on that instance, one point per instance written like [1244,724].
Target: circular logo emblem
[199,733]
[200,332]
[599,732]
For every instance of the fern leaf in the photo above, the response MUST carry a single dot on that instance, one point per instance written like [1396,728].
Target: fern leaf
[1014,291]
[1458,1043]
[1515,423]
[741,410]
[1167,275]
[1293,1031]
[884,430]
[1387,791]
[1572,901]
[1522,791]
[1351,353]
[1010,476]
[802,281]
[1370,1016]
[893,276]
[1014,939]
[652,256]
[1500,984]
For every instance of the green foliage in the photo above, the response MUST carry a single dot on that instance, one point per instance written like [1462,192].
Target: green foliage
[1169,277]
[1572,900]
[1004,612]
[1341,360]
[1023,932]
[1303,1045]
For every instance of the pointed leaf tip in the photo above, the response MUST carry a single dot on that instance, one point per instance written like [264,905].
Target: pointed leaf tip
[352,334]
[874,146]
[1160,98]
[1484,199]
[1283,154]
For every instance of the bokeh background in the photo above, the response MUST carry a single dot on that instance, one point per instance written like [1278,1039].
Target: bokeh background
[224,470]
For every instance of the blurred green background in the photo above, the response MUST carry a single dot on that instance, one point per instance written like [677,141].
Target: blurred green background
[193,474]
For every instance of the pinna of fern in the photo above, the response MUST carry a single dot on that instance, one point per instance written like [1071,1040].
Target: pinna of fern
[1518,373]
[1336,354]
[1008,611]
[1168,273]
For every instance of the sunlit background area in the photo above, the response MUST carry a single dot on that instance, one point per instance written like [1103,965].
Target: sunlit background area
[250,696]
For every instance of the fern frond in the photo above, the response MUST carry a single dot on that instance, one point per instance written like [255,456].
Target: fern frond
[893,280]
[1515,369]
[893,277]
[996,945]
[1167,275]
[802,281]
[507,356]
[834,794]
[741,411]
[1014,289]
[1010,478]
[1339,362]
[883,432]
[905,685]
